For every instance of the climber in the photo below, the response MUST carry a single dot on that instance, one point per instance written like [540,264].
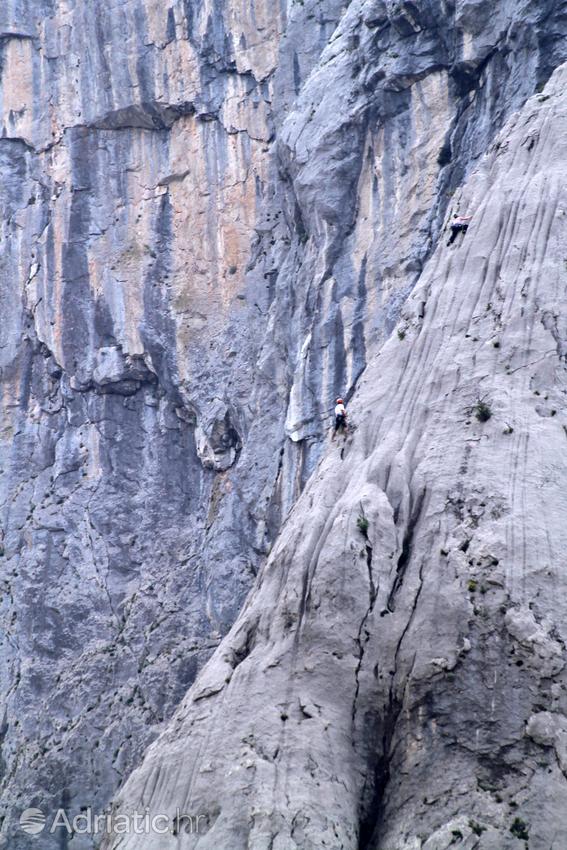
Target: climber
[460,224]
[340,418]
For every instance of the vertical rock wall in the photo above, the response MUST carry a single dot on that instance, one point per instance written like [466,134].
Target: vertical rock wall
[397,677]
[212,213]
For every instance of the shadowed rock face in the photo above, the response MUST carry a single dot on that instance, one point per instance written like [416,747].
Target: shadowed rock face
[212,216]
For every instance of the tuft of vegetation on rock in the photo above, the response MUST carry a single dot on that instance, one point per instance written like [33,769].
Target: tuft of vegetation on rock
[482,411]
[362,525]
[519,829]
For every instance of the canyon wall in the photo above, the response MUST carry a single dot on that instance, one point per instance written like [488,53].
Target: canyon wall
[397,677]
[213,214]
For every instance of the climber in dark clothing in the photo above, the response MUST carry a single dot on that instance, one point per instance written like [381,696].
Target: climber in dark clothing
[460,224]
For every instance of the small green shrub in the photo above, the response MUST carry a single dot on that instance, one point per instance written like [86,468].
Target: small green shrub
[520,829]
[362,525]
[482,411]
[473,586]
[401,334]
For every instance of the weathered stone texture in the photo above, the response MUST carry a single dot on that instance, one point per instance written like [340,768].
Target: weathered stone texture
[397,676]
[212,214]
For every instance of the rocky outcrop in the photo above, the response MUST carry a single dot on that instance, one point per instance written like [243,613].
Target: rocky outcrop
[397,676]
[212,215]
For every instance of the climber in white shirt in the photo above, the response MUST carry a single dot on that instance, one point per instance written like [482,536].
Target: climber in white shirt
[340,418]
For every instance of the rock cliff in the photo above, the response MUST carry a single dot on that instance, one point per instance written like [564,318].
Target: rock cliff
[397,676]
[216,216]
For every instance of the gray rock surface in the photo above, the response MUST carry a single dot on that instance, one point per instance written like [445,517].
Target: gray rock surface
[212,215]
[397,676]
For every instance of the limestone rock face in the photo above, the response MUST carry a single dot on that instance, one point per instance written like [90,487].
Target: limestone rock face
[397,677]
[213,214]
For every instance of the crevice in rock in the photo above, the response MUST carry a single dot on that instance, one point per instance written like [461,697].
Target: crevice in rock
[377,778]
[363,635]
[241,652]
[373,590]
[405,555]
[378,774]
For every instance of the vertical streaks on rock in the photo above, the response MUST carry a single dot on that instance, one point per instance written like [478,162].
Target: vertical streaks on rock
[212,215]
[415,723]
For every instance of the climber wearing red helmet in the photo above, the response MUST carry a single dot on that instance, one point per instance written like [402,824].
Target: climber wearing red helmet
[340,418]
